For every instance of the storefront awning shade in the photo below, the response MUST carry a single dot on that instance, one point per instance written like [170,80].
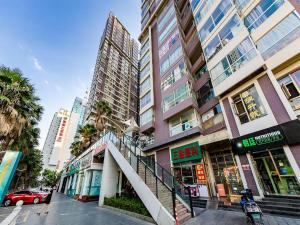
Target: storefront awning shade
[185,153]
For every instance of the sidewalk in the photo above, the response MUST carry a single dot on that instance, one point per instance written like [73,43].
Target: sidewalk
[221,217]
[67,211]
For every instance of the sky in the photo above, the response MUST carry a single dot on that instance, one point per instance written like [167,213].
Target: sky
[55,44]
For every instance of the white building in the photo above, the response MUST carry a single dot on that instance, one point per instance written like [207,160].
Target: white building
[62,131]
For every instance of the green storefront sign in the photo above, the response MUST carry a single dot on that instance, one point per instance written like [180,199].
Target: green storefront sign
[73,168]
[186,153]
[268,138]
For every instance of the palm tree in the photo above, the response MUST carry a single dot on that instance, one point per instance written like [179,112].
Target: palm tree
[102,113]
[76,148]
[19,107]
[88,134]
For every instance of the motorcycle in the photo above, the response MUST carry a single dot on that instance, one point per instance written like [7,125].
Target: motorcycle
[250,208]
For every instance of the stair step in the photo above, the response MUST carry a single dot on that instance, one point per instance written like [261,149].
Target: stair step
[184,218]
[283,196]
[275,200]
[287,204]
[284,208]
[282,212]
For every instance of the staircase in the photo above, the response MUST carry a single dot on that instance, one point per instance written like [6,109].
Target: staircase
[281,205]
[150,180]
[272,204]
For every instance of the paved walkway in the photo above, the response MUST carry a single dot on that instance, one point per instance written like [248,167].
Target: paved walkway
[221,217]
[66,211]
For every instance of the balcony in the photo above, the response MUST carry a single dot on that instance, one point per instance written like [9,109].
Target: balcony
[182,127]
[179,107]
[213,124]
[198,64]
[148,127]
[201,81]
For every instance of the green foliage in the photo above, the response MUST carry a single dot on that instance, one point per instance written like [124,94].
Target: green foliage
[129,204]
[88,134]
[50,177]
[76,148]
[20,111]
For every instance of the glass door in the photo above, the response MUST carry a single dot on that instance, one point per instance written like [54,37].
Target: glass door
[276,174]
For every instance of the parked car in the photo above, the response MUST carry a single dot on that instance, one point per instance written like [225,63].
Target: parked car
[25,196]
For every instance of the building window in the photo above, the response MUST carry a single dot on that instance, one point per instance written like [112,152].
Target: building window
[172,40]
[280,36]
[145,47]
[242,54]
[228,32]
[175,75]
[261,13]
[167,31]
[145,100]
[194,4]
[165,65]
[203,10]
[184,122]
[145,86]
[146,117]
[290,85]
[248,105]
[205,94]
[145,59]
[240,4]
[145,71]
[179,95]
[164,18]
[214,19]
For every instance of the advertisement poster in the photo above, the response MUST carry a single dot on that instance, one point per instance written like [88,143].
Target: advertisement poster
[8,167]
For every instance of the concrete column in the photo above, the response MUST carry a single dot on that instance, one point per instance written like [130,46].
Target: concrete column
[109,178]
[243,178]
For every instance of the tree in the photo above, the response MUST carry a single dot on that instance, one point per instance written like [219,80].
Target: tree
[50,178]
[102,113]
[19,107]
[88,134]
[33,165]
[76,148]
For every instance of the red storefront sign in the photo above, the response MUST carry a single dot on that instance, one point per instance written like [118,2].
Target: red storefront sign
[61,131]
[200,172]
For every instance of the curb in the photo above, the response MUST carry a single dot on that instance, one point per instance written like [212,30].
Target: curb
[132,214]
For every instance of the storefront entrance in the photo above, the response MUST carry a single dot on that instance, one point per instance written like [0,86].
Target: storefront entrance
[227,177]
[275,172]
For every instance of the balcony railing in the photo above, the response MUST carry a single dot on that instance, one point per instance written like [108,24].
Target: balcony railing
[176,100]
[295,103]
[213,121]
[183,127]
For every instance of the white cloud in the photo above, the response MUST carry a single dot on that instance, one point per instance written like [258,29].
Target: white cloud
[46,82]
[37,64]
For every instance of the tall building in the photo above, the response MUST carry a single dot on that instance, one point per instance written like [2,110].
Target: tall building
[252,52]
[219,90]
[55,139]
[178,108]
[62,132]
[115,77]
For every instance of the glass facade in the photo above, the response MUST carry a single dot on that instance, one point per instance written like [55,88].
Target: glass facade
[178,72]
[243,53]
[261,13]
[281,35]
[146,117]
[145,100]
[179,95]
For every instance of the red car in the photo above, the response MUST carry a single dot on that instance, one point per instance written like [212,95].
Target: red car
[25,196]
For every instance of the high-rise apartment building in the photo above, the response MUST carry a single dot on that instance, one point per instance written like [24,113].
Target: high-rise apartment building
[62,132]
[55,139]
[115,77]
[252,50]
[219,93]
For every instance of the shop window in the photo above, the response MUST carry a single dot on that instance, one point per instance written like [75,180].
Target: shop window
[290,85]
[248,105]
